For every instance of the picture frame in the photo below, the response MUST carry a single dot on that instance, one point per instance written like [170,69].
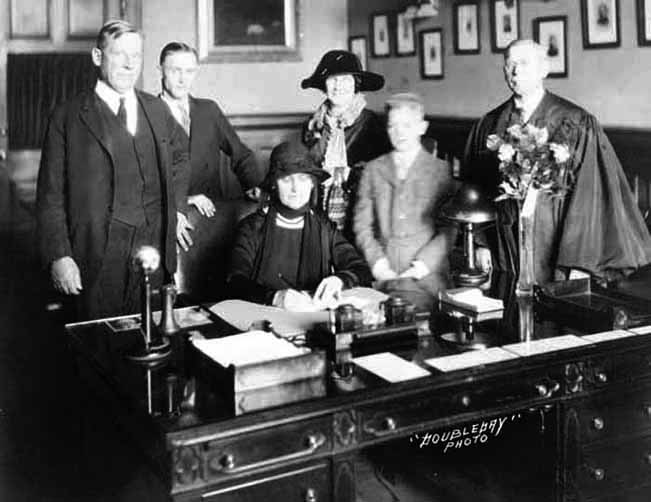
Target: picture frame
[380,36]
[467,25]
[644,23]
[600,24]
[405,37]
[357,45]
[431,54]
[505,23]
[551,32]
[234,31]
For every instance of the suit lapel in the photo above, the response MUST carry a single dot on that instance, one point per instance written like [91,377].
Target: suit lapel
[156,120]
[195,112]
[90,115]
[388,169]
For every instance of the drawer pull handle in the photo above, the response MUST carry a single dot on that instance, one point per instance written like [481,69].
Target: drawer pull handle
[602,377]
[389,425]
[598,423]
[647,410]
[647,458]
[546,390]
[313,442]
[310,495]
[465,400]
[598,474]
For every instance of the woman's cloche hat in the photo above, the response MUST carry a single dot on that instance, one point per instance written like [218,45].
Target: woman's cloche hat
[342,62]
[291,158]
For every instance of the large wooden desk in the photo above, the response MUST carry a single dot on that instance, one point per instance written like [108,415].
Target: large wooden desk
[593,440]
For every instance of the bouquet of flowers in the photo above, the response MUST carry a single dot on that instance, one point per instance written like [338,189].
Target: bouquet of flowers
[528,159]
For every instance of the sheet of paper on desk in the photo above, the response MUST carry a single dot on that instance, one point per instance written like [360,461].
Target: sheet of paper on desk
[471,299]
[608,335]
[242,314]
[247,348]
[470,359]
[390,367]
[641,330]
[545,345]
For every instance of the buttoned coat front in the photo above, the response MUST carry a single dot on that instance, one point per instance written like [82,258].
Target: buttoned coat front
[396,218]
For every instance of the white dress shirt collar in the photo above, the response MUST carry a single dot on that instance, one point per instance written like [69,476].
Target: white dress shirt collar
[528,104]
[112,99]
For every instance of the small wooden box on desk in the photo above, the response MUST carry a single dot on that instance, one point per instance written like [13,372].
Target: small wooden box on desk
[262,384]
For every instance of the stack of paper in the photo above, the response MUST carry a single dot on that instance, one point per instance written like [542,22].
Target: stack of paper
[470,359]
[471,299]
[545,345]
[390,367]
[247,348]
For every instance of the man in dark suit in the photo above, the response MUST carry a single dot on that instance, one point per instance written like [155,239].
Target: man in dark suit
[105,182]
[208,182]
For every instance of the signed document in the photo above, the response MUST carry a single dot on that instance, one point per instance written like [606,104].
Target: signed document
[642,330]
[546,345]
[242,315]
[470,359]
[390,367]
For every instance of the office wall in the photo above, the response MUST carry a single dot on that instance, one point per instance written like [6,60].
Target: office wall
[614,84]
[247,88]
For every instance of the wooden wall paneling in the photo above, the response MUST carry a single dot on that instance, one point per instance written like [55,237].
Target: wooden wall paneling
[85,17]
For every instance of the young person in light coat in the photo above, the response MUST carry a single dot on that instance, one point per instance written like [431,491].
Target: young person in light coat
[395,216]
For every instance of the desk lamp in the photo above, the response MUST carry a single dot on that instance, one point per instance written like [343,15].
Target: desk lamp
[156,349]
[469,207]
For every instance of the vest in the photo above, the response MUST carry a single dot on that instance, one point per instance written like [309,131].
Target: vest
[137,185]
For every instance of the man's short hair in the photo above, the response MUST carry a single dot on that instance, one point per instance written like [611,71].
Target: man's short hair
[114,29]
[541,50]
[409,100]
[174,47]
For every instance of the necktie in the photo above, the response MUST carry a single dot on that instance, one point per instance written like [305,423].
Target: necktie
[185,118]
[336,199]
[122,113]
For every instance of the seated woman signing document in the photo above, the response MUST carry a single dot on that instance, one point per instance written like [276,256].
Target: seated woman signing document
[288,249]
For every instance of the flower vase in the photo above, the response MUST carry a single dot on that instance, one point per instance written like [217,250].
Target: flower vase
[526,248]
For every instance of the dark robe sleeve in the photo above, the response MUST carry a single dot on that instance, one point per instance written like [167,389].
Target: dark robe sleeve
[603,229]
[239,282]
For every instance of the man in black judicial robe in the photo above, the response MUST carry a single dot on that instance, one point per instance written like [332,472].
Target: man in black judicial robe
[597,227]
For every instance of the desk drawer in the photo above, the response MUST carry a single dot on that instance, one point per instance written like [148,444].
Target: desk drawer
[380,421]
[266,448]
[603,418]
[308,484]
[614,467]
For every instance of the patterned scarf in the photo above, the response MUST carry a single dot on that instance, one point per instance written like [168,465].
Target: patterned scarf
[329,128]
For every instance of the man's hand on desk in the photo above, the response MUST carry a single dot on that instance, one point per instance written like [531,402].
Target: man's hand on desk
[65,276]
[294,301]
[183,228]
[203,204]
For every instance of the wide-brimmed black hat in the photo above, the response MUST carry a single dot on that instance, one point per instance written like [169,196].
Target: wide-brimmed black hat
[291,158]
[342,62]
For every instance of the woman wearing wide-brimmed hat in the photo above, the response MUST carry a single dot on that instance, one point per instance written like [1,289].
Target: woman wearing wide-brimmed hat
[286,248]
[343,133]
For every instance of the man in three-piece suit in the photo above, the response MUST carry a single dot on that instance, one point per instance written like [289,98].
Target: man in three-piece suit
[105,182]
[207,184]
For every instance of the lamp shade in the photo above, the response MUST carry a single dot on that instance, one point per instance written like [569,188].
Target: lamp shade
[469,205]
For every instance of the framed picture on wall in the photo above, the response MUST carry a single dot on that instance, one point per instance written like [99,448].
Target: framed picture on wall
[466,27]
[357,45]
[380,43]
[644,22]
[551,32]
[600,21]
[405,40]
[505,23]
[431,54]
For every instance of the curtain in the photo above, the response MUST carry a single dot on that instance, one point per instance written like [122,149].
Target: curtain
[36,83]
